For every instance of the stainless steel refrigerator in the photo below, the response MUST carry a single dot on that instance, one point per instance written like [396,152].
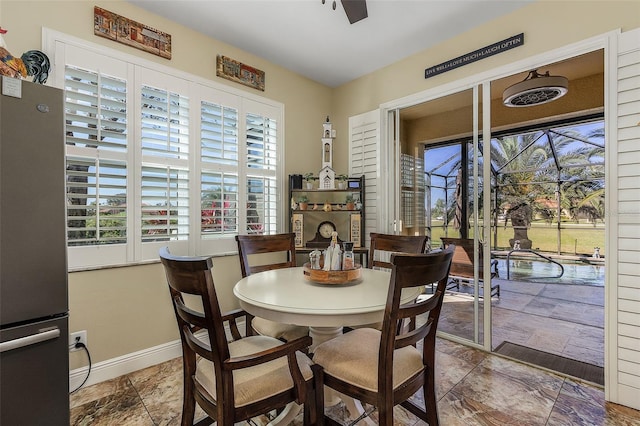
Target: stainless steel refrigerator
[34,335]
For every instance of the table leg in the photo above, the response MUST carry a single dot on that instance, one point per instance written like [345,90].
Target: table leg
[356,410]
[287,415]
[322,334]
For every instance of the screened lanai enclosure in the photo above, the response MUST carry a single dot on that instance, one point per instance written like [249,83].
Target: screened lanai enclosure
[547,241]
[547,189]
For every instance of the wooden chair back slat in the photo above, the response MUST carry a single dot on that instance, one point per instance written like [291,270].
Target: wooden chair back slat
[390,243]
[415,271]
[274,245]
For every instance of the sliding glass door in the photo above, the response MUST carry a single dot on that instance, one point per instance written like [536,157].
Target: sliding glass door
[437,158]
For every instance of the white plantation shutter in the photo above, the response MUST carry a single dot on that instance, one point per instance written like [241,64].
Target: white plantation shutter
[97,133]
[262,195]
[164,124]
[219,135]
[165,203]
[219,192]
[624,362]
[261,184]
[219,199]
[96,206]
[363,160]
[96,110]
[164,116]
[261,143]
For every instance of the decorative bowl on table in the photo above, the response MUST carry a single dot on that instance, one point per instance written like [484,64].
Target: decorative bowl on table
[321,276]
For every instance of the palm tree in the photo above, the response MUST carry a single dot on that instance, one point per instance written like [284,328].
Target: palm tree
[562,164]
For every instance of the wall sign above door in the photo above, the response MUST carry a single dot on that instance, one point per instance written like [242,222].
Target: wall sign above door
[476,55]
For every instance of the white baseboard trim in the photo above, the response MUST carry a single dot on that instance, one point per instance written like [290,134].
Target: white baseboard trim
[115,367]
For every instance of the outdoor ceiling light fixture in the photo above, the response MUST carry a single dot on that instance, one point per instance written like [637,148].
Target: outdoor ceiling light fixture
[535,89]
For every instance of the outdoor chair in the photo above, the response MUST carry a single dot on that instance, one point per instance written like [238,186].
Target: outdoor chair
[233,378]
[462,265]
[382,368]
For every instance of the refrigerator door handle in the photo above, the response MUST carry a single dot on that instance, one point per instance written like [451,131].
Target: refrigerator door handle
[42,335]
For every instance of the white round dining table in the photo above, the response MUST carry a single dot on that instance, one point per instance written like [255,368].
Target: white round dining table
[286,296]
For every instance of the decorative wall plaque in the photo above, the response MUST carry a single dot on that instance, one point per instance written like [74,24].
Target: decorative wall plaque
[354,230]
[298,228]
[239,72]
[123,30]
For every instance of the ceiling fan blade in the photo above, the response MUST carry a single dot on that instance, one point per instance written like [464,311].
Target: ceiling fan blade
[356,10]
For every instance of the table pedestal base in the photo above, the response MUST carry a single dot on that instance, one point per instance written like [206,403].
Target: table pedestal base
[320,335]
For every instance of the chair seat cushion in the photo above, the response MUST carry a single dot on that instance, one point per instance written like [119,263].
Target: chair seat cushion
[254,383]
[286,332]
[353,358]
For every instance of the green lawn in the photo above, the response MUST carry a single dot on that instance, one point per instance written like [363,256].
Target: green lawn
[575,238]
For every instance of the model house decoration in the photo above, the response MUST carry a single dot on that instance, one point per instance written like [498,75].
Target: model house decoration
[327,176]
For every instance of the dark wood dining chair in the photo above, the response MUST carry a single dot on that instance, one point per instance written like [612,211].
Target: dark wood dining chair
[462,264]
[234,378]
[262,253]
[382,368]
[383,245]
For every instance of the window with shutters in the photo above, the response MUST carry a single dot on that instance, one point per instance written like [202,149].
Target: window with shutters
[364,160]
[219,185]
[261,185]
[164,144]
[96,138]
[156,157]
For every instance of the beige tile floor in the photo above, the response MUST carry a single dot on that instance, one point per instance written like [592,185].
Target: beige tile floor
[473,388]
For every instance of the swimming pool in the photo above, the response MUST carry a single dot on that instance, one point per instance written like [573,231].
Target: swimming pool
[578,273]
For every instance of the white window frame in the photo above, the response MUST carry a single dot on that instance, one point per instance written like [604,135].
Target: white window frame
[57,45]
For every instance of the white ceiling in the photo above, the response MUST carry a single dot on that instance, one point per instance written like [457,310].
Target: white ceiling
[312,39]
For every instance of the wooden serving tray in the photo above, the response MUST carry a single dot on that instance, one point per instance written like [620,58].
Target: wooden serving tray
[332,277]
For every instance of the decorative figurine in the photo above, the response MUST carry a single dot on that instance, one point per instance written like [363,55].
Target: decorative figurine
[333,254]
[32,63]
[326,175]
[348,261]
[314,259]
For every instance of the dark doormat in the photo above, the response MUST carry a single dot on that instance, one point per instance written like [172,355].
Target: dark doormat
[571,367]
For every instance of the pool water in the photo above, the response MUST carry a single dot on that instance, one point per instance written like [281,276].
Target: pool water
[541,271]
